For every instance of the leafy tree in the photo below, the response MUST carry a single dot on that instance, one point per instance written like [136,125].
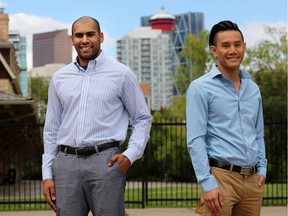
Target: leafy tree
[178,107]
[167,152]
[267,62]
[196,54]
[39,92]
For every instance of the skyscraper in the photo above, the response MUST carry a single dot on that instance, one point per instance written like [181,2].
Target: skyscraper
[186,23]
[51,47]
[152,51]
[19,44]
[147,51]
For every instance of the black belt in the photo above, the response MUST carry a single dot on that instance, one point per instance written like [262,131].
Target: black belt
[86,151]
[244,170]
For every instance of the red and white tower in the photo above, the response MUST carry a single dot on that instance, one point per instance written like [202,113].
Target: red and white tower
[163,21]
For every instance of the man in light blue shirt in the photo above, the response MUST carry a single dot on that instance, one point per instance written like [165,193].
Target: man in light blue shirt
[89,103]
[225,133]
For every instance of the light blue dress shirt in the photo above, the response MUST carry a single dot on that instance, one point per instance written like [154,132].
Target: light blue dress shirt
[224,125]
[91,107]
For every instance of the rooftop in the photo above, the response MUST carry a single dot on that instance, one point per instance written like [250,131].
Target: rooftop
[162,14]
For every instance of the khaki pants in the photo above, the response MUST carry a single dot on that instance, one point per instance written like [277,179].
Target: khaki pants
[241,194]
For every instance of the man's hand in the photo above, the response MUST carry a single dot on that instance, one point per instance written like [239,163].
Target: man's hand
[214,201]
[49,193]
[261,181]
[122,160]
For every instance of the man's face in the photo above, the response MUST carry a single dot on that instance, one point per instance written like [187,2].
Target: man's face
[86,39]
[229,49]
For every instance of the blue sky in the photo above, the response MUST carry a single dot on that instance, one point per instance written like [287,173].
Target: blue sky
[117,18]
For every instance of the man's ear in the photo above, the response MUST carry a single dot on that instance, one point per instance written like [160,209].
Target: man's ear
[101,37]
[71,39]
[213,50]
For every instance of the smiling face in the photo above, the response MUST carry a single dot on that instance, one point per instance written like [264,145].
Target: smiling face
[229,49]
[86,39]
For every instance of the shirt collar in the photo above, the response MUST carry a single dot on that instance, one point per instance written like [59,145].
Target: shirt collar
[243,74]
[100,59]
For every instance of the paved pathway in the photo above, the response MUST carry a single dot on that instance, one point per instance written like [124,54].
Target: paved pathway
[266,211]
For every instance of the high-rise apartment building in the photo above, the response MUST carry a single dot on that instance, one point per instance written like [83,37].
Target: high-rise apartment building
[147,51]
[19,44]
[52,47]
[186,23]
[152,51]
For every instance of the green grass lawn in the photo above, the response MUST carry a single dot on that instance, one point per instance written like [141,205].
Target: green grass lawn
[161,197]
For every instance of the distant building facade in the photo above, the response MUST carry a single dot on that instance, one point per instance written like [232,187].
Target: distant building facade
[186,23]
[52,47]
[151,51]
[4,23]
[46,71]
[19,44]
[147,51]
[9,68]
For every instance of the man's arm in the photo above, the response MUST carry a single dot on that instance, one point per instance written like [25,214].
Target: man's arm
[52,123]
[134,101]
[262,161]
[196,120]
[51,127]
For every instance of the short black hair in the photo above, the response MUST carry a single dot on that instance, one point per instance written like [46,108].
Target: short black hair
[93,19]
[222,26]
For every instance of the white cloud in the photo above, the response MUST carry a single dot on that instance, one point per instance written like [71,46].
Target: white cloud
[27,25]
[3,4]
[254,32]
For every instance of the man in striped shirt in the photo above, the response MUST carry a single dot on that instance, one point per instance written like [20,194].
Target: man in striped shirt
[90,101]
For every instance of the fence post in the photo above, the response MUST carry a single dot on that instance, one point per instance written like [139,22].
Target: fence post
[145,178]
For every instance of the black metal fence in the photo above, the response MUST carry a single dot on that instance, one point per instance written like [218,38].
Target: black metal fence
[163,177]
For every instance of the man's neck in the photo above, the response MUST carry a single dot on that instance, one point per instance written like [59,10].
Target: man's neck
[81,64]
[232,75]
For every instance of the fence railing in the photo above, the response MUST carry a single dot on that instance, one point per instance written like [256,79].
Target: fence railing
[163,177]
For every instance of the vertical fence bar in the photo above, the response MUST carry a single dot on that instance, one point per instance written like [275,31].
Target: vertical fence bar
[164,177]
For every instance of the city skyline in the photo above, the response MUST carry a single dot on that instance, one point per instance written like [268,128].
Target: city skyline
[117,21]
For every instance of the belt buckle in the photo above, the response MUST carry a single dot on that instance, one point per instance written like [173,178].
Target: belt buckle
[76,152]
[246,170]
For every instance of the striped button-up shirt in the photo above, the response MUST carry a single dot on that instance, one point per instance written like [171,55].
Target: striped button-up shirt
[91,107]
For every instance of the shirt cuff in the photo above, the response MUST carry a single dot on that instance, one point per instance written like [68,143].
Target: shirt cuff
[47,161]
[209,184]
[262,171]
[131,155]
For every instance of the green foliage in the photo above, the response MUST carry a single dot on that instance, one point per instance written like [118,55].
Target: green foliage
[167,151]
[178,107]
[273,87]
[39,92]
[176,111]
[197,57]
[268,55]
[31,169]
[39,88]
[267,62]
